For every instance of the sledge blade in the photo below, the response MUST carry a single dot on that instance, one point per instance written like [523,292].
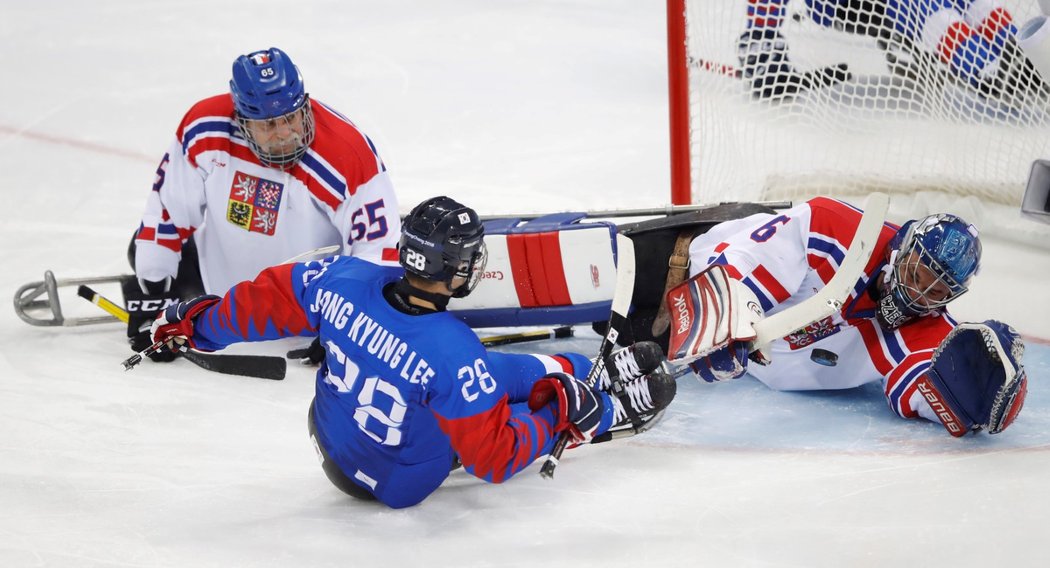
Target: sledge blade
[37,303]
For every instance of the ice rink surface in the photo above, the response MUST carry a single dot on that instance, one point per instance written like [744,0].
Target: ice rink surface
[516,106]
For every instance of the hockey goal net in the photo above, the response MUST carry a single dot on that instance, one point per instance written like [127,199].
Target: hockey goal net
[899,119]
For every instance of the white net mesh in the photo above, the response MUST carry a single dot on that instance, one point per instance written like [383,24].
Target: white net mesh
[936,136]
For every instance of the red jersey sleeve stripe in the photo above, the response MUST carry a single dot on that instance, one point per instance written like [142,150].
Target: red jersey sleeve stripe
[770,283]
[873,344]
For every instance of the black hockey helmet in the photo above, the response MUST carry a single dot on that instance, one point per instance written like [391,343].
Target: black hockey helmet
[442,239]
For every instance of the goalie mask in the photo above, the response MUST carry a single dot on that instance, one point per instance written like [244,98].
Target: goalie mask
[272,108]
[976,380]
[444,240]
[932,261]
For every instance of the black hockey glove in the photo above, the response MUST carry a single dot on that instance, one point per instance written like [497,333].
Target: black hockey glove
[310,355]
[143,300]
[763,55]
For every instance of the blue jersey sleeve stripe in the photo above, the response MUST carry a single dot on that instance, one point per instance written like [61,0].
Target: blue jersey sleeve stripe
[767,304]
[892,343]
[319,170]
[830,249]
[202,128]
[167,229]
[371,146]
[909,378]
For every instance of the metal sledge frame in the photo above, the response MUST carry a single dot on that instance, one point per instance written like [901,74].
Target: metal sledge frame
[27,299]
[666,210]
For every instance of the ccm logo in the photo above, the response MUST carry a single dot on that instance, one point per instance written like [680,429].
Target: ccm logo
[946,416]
[150,305]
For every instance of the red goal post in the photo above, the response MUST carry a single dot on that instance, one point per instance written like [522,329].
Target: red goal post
[678,102]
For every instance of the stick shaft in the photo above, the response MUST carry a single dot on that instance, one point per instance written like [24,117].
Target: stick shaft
[643,212]
[95,298]
[526,336]
[256,366]
[831,297]
[621,302]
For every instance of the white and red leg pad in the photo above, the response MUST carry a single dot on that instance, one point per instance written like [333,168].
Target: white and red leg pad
[551,270]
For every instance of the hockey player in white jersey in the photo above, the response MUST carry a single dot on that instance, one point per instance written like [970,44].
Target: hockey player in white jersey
[253,178]
[893,328]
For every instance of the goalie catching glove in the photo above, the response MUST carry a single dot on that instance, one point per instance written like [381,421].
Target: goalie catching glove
[634,373]
[976,380]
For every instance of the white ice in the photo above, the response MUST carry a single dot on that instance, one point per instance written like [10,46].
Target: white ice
[511,106]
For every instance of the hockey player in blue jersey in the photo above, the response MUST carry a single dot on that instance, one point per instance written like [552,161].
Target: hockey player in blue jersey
[406,389]
[974,40]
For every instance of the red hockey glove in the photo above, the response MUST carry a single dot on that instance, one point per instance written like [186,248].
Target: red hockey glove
[174,326]
[579,409]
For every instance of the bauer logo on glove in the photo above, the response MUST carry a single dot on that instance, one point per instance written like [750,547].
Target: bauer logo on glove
[976,381]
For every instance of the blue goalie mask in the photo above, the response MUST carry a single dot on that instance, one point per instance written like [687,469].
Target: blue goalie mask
[272,107]
[932,262]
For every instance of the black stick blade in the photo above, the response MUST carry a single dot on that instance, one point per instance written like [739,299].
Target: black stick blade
[256,366]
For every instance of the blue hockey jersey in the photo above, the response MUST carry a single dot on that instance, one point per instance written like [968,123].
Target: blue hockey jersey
[398,395]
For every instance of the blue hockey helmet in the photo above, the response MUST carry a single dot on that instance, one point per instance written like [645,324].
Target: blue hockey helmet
[272,107]
[933,260]
[266,84]
[444,240]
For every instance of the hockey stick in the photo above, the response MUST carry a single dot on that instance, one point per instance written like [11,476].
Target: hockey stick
[621,302]
[647,212]
[526,336]
[256,366]
[829,299]
[307,354]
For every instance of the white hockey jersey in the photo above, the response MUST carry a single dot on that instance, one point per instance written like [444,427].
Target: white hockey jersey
[245,216]
[786,258]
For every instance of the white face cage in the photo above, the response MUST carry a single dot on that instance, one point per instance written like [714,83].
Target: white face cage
[921,282]
[280,141]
